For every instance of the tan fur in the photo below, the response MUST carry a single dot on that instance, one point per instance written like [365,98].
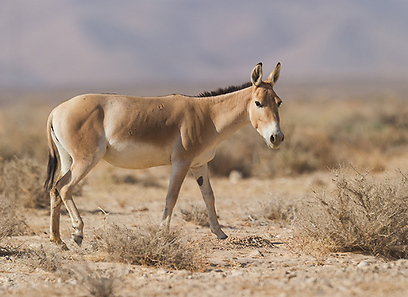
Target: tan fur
[138,132]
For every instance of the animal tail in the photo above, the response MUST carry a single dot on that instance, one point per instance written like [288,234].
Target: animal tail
[52,157]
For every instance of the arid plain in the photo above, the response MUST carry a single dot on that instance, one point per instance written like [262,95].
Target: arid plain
[322,216]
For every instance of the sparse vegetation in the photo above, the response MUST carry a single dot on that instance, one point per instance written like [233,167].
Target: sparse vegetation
[273,210]
[100,286]
[96,282]
[11,222]
[365,213]
[22,131]
[21,181]
[48,259]
[151,246]
[195,214]
[319,134]
[278,209]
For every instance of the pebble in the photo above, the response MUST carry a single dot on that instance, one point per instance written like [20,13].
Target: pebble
[255,254]
[363,264]
[235,176]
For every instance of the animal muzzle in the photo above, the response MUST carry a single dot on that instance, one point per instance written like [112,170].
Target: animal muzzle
[272,135]
[276,139]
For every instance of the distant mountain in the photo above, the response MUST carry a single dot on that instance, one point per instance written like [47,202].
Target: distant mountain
[48,43]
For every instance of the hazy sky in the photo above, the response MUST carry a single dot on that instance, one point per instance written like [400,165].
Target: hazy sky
[54,43]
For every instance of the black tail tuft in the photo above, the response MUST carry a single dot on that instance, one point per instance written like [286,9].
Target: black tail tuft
[52,168]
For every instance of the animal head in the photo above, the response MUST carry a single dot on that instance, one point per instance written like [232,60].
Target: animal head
[264,106]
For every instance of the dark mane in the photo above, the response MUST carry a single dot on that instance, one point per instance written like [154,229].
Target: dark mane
[226,90]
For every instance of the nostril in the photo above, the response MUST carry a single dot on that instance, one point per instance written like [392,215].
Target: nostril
[283,137]
[272,139]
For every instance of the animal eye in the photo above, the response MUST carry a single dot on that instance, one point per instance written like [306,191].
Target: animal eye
[279,103]
[257,103]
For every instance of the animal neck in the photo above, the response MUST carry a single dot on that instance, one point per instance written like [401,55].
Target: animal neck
[229,112]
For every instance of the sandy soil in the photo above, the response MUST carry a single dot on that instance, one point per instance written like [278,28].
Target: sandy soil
[256,260]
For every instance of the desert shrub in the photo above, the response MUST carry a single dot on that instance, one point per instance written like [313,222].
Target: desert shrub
[149,181]
[11,222]
[364,214]
[317,247]
[278,209]
[320,133]
[274,209]
[100,286]
[48,259]
[370,133]
[304,151]
[150,246]
[237,154]
[22,180]
[96,282]
[225,162]
[22,131]
[380,131]
[195,214]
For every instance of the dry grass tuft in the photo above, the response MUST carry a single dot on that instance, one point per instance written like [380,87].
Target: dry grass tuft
[21,180]
[99,285]
[96,282]
[196,214]
[151,246]
[22,130]
[364,214]
[318,248]
[320,133]
[10,222]
[240,160]
[48,259]
[278,210]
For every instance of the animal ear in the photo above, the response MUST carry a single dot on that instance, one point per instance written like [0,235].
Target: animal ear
[256,75]
[274,76]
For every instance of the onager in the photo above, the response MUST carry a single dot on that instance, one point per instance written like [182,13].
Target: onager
[141,132]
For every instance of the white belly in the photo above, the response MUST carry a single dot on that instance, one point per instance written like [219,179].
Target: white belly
[134,155]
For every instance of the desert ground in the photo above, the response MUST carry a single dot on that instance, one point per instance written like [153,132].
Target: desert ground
[264,199]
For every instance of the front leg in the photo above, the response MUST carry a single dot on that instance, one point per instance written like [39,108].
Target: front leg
[201,176]
[178,174]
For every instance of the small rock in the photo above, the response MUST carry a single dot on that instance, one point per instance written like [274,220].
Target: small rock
[255,253]
[235,176]
[311,280]
[290,274]
[363,264]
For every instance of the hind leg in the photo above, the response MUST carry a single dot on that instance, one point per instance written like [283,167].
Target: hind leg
[55,212]
[56,201]
[73,170]
[65,187]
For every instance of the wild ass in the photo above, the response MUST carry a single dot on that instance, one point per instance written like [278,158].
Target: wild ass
[137,132]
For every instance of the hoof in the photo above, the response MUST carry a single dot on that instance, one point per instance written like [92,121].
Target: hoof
[63,246]
[223,236]
[78,239]
[60,244]
[220,234]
